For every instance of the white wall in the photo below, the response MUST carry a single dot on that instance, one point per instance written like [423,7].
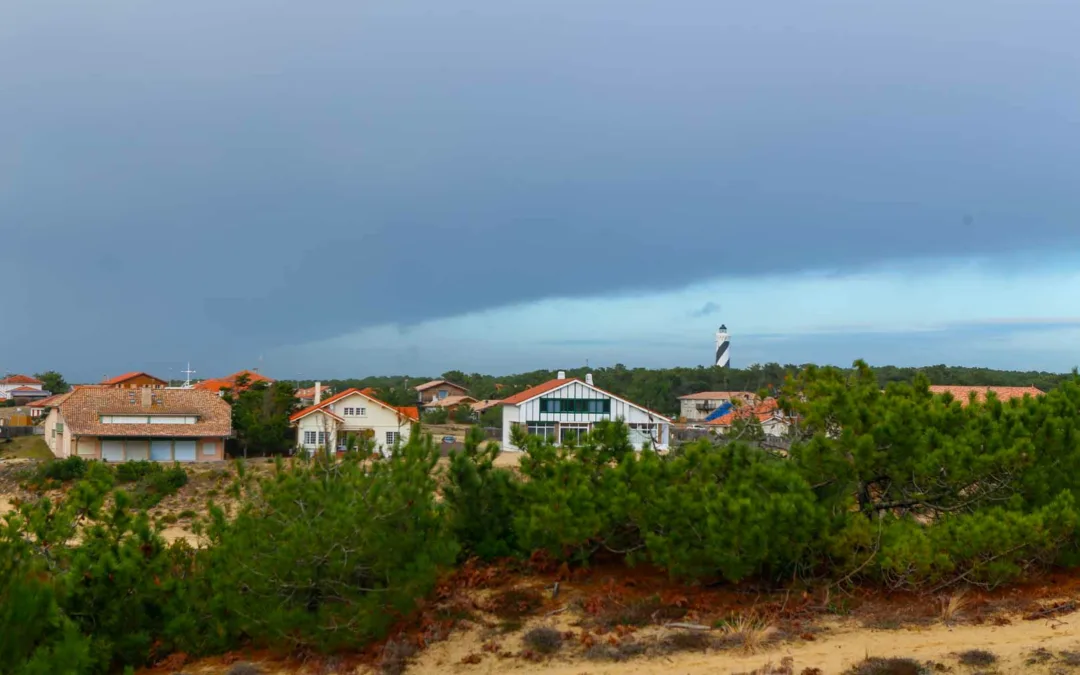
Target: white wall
[530,412]
[54,442]
[6,388]
[377,417]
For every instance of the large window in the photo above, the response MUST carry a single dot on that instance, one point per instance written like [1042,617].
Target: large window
[545,430]
[392,437]
[572,434]
[309,438]
[587,406]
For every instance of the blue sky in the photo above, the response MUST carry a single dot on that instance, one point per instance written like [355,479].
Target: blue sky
[496,185]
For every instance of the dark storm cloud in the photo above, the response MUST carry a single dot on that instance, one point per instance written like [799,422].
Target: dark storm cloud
[206,180]
[708,309]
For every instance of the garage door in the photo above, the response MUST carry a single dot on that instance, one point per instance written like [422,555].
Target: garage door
[112,451]
[185,451]
[161,451]
[136,450]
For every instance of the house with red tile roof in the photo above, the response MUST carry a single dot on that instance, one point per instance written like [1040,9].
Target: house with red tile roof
[963,394]
[429,392]
[21,386]
[767,413]
[119,425]
[353,412]
[566,409]
[696,407]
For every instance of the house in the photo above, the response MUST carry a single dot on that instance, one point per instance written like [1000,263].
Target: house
[28,393]
[116,425]
[221,384]
[480,407]
[963,394]
[329,423]
[135,381]
[438,389]
[309,395]
[696,407]
[767,412]
[568,408]
[20,383]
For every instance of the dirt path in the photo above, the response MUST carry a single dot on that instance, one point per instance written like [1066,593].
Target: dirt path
[846,646]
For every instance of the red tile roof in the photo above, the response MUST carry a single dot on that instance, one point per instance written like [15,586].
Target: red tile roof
[230,382]
[20,379]
[130,376]
[762,411]
[25,389]
[83,408]
[533,392]
[963,393]
[48,401]
[309,392]
[368,393]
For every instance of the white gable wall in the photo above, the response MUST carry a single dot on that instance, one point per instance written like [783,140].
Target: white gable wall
[376,419]
[529,411]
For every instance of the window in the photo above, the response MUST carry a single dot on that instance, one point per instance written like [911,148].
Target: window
[355,412]
[322,438]
[572,433]
[348,412]
[392,437]
[60,427]
[443,393]
[585,406]
[362,412]
[309,438]
[545,430]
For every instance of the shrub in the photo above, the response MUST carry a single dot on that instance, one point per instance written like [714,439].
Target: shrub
[156,485]
[70,468]
[330,553]
[543,640]
[129,472]
[482,500]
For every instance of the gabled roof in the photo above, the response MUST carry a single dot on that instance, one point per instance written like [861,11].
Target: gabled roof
[119,379]
[533,392]
[309,392]
[436,383]
[33,389]
[55,399]
[368,393]
[486,404]
[20,379]
[83,408]
[962,393]
[551,385]
[718,396]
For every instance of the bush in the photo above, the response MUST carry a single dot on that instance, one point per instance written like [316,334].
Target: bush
[482,500]
[543,640]
[129,472]
[158,484]
[330,553]
[70,468]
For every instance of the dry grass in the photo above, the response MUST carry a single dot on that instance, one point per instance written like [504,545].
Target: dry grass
[952,606]
[748,632]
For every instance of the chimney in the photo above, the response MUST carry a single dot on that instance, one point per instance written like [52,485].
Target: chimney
[562,375]
[318,393]
[588,378]
[147,397]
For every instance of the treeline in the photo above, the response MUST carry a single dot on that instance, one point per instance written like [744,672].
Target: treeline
[660,389]
[899,488]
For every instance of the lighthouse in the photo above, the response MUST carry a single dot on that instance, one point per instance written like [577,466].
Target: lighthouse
[723,348]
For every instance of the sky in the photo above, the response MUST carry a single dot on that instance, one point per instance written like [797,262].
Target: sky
[348,188]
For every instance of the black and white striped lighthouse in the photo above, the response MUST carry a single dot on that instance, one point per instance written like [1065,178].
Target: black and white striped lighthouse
[723,348]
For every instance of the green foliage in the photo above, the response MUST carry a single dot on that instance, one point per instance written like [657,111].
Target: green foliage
[70,468]
[463,414]
[129,472]
[482,500]
[436,416]
[260,418]
[53,382]
[327,554]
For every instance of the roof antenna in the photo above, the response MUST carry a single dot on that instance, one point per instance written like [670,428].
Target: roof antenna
[189,372]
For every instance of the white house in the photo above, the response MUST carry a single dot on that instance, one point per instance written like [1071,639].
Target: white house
[22,386]
[329,422]
[566,408]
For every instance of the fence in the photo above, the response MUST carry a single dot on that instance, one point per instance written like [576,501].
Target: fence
[11,431]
